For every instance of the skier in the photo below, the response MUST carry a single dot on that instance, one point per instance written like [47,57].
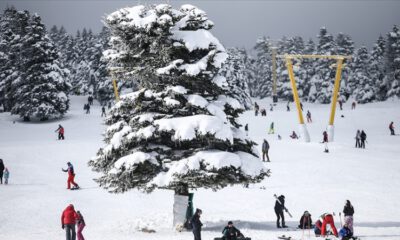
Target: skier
[353,105]
[279,207]
[340,104]
[326,219]
[325,141]
[271,129]
[265,149]
[196,224]
[87,108]
[103,111]
[306,221]
[391,128]
[230,232]
[246,129]
[358,138]
[81,225]
[294,135]
[68,220]
[71,176]
[256,108]
[363,137]
[6,176]
[288,107]
[60,131]
[1,171]
[263,112]
[109,105]
[348,212]
[309,120]
[90,100]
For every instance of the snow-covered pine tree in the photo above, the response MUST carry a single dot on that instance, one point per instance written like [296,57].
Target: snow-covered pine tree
[322,81]
[12,27]
[41,89]
[308,66]
[234,71]
[262,85]
[361,85]
[393,61]
[344,46]
[250,74]
[377,69]
[179,131]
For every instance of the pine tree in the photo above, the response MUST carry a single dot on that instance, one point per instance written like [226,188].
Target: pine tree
[345,47]
[234,71]
[322,81]
[262,85]
[377,69]
[393,62]
[41,90]
[361,84]
[180,130]
[308,66]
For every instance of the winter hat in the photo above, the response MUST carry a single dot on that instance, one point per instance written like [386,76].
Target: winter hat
[230,223]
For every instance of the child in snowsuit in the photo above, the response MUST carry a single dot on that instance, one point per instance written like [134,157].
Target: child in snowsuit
[196,224]
[306,221]
[265,149]
[60,131]
[391,128]
[271,129]
[81,225]
[230,232]
[279,207]
[71,176]
[325,140]
[6,176]
[68,220]
[348,212]
[326,219]
[358,138]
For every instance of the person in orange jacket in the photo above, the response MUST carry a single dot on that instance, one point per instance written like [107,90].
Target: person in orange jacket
[60,131]
[71,176]
[68,221]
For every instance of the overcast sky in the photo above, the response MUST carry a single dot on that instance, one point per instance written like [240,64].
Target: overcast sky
[240,23]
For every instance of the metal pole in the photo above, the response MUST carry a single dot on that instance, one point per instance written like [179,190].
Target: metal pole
[334,98]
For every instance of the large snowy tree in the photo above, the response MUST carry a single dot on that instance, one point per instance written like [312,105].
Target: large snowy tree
[377,69]
[261,85]
[393,61]
[41,90]
[361,85]
[180,130]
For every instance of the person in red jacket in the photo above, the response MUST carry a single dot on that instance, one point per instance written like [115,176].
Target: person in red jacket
[68,221]
[71,176]
[60,131]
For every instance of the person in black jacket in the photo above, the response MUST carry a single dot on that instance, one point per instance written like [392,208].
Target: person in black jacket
[196,224]
[230,232]
[348,212]
[1,171]
[279,207]
[306,221]
[363,137]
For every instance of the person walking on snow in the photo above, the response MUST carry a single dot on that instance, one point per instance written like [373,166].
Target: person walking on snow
[6,176]
[196,224]
[60,131]
[246,129]
[391,128]
[358,139]
[1,170]
[271,129]
[68,220]
[265,149]
[309,120]
[325,141]
[348,212]
[81,225]
[340,104]
[279,207]
[71,176]
[363,138]
[353,106]
[288,107]
[87,108]
[103,111]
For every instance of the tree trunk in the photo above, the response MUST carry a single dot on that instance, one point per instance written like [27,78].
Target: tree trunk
[181,199]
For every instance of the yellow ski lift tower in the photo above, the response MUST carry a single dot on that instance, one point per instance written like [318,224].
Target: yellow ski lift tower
[339,64]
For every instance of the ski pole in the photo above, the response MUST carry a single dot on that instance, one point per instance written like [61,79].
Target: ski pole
[340,217]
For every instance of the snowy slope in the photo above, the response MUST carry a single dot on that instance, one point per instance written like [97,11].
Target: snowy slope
[30,207]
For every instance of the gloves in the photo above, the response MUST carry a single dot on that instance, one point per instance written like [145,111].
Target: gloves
[62,226]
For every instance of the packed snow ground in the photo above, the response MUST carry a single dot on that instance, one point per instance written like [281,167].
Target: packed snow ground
[31,206]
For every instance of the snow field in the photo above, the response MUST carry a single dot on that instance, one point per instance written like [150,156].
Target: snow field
[310,179]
